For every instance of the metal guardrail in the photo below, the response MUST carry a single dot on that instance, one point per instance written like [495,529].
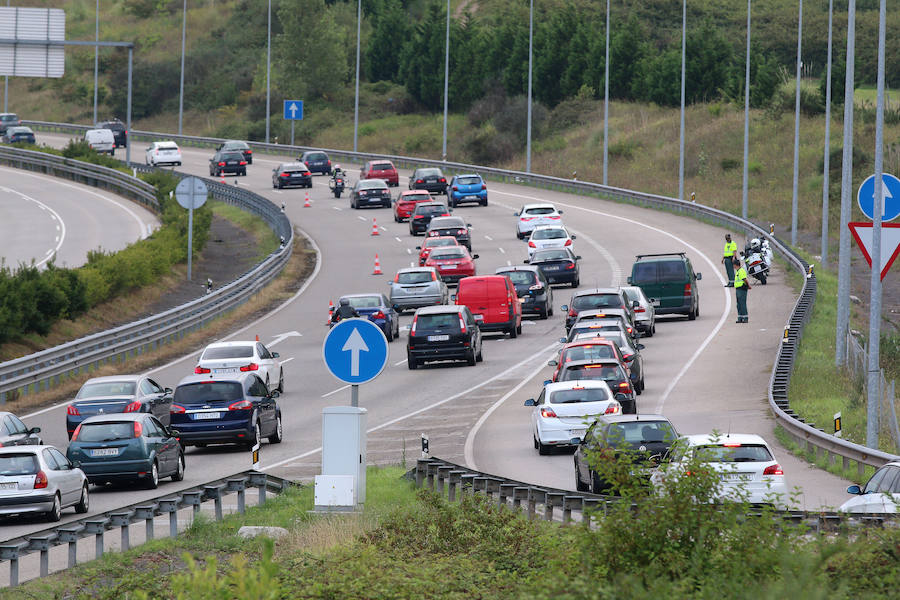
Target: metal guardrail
[42,369]
[807,435]
[122,518]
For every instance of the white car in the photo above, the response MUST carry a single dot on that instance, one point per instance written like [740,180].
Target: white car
[40,480]
[748,469]
[547,237]
[163,153]
[881,494]
[534,215]
[644,313]
[565,409]
[233,357]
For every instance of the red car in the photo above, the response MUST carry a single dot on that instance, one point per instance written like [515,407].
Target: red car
[432,243]
[586,350]
[405,203]
[381,169]
[452,262]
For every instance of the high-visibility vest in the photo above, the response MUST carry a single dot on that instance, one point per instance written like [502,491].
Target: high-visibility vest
[730,249]
[740,277]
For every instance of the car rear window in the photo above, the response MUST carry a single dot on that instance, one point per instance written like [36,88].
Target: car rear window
[590,352]
[733,453]
[440,321]
[430,210]
[447,223]
[548,234]
[109,388]
[18,464]
[227,352]
[468,180]
[644,273]
[415,277]
[429,172]
[382,167]
[590,372]
[365,302]
[372,184]
[671,271]
[231,156]
[451,252]
[167,146]
[208,391]
[550,255]
[414,197]
[639,432]
[596,301]
[582,395]
[106,432]
[542,210]
[520,277]
[317,156]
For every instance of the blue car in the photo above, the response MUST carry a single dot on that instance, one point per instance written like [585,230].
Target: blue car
[467,188]
[377,309]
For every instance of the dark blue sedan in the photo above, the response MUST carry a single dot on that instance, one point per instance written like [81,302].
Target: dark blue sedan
[377,309]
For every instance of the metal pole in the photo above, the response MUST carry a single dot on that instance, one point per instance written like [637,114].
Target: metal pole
[6,85]
[268,68]
[356,99]
[681,136]
[842,324]
[747,119]
[292,132]
[606,103]
[96,54]
[128,110]
[446,80]
[181,89]
[354,396]
[797,129]
[190,233]
[827,157]
[874,374]
[530,48]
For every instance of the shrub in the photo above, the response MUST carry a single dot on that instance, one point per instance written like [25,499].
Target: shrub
[730,163]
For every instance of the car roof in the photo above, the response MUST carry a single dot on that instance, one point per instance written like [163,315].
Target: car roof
[543,227]
[588,342]
[468,175]
[414,193]
[231,344]
[623,418]
[594,361]
[598,290]
[380,162]
[705,439]
[539,205]
[233,142]
[439,221]
[9,115]
[116,417]
[601,312]
[107,378]
[567,385]
[369,295]
[440,309]
[305,152]
[207,377]
[417,269]
[509,269]
[664,256]
[372,182]
[30,449]
[293,165]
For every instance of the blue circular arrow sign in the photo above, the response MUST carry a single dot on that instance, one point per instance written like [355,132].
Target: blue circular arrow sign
[890,207]
[355,351]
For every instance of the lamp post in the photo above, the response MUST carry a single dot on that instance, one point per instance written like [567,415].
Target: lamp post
[356,99]
[181,88]
[826,159]
[794,197]
[530,48]
[746,119]
[96,53]
[681,137]
[446,80]
[268,69]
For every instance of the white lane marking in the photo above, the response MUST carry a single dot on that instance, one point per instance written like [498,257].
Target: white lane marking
[400,363]
[284,361]
[361,218]
[56,239]
[489,238]
[509,263]
[61,227]
[616,278]
[408,251]
[399,240]
[469,448]
[502,251]
[383,228]
[336,391]
[57,225]
[336,208]
[425,408]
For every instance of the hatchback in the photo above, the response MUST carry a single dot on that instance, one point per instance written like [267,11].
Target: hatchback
[227,161]
[367,192]
[594,328]
[593,299]
[41,480]
[238,146]
[18,135]
[118,394]
[443,333]
[587,349]
[564,410]
[452,262]
[9,120]
[605,369]
[406,202]
[644,313]
[632,359]
[468,188]
[163,153]
[229,358]
[422,215]
[430,179]
[291,174]
[455,226]
[881,494]
[546,237]
[13,432]
[126,448]
[415,287]
[316,161]
[558,265]
[586,316]
[233,408]
[120,132]
[534,215]
[381,169]
[377,309]
[434,242]
[535,293]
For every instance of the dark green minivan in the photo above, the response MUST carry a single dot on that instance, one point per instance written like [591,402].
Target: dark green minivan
[669,282]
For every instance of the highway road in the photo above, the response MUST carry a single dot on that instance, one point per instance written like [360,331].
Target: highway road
[46,217]
[703,374]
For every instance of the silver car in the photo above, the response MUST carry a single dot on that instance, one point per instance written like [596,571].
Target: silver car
[644,313]
[40,479]
[415,287]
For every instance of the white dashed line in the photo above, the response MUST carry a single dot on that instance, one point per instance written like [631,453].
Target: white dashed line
[408,251]
[489,238]
[361,218]
[502,251]
[400,363]
[340,389]
[336,208]
[399,240]
[509,263]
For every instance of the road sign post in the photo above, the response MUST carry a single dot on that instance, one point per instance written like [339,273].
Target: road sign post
[191,193]
[293,111]
[890,197]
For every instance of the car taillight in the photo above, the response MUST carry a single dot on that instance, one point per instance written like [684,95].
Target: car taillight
[628,357]
[625,387]
[243,162]
[418,217]
[532,244]
[536,287]
[446,214]
[773,470]
[176,409]
[72,410]
[40,481]
[285,175]
[412,328]
[241,405]
[249,151]
[250,367]
[640,309]
[77,431]
[613,408]
[455,189]
[433,276]
[133,407]
[687,289]
[548,413]
[138,429]
[460,232]
[201,370]
[570,266]
[484,187]
[462,325]
[378,315]
[443,180]
[329,163]
[527,218]
[420,181]
[306,162]
[221,163]
[554,216]
[568,243]
[572,312]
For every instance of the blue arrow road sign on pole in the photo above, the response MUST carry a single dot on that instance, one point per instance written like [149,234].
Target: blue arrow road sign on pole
[355,351]
[293,110]
[890,200]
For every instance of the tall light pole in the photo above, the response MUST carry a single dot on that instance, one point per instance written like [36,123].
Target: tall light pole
[530,48]
[681,137]
[268,69]
[181,88]
[794,198]
[606,102]
[96,54]
[827,154]
[446,80]
[356,99]
[747,119]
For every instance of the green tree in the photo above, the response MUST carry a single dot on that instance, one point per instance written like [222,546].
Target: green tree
[627,47]
[422,60]
[390,31]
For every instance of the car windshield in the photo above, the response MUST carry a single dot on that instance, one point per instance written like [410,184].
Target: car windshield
[439,321]
[546,255]
[520,277]
[18,464]
[382,167]
[579,395]
[475,180]
[638,433]
[429,172]
[549,234]
[727,452]
[218,352]
[593,301]
[415,277]
[452,252]
[106,432]
[208,391]
[590,372]
[540,210]
[590,352]
[365,301]
[106,388]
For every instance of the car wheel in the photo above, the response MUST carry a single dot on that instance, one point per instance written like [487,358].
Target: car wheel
[55,512]
[534,439]
[178,475]
[276,437]
[411,362]
[85,503]
[471,359]
[519,329]
[512,332]
[389,333]
[153,477]
[692,315]
[697,310]
[642,382]
[254,437]
[544,313]
[579,486]
[484,202]
[576,283]
[480,356]
[280,387]
[543,449]
[598,486]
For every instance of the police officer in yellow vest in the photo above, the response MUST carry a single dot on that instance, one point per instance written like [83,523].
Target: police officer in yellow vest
[727,258]
[741,285]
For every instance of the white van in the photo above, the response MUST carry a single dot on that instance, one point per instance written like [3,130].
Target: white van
[101,140]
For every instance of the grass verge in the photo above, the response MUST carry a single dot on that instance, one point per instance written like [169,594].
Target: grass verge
[266,240]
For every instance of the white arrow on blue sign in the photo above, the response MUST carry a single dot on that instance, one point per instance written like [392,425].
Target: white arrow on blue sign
[355,351]
[890,199]
[293,110]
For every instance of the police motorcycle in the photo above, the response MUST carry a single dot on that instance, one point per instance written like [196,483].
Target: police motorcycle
[758,258]
[337,181]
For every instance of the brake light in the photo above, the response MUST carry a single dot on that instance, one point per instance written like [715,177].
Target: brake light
[138,429]
[443,180]
[378,315]
[570,266]
[72,410]
[250,367]
[484,187]
[40,481]
[241,405]
[306,162]
[221,163]
[461,232]
[548,413]
[687,289]
[419,217]
[455,189]
[572,312]
[284,175]
[536,287]
[640,309]
[462,325]
[249,151]
[773,470]
[628,357]
[731,445]
[531,244]
[133,407]
[243,162]
[77,431]
[527,218]
[625,387]
[201,370]
[329,163]
[412,328]
[420,181]
[176,409]
[612,409]
[568,243]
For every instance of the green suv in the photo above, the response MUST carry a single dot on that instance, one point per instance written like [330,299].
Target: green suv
[669,282]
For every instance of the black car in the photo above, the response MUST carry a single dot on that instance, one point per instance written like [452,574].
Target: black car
[291,174]
[18,135]
[367,192]
[238,146]
[227,161]
[120,133]
[454,226]
[644,438]
[631,354]
[532,287]
[447,332]
[559,265]
[9,120]
[596,299]
[13,432]
[430,179]
[316,161]
[608,370]
[422,215]
[607,313]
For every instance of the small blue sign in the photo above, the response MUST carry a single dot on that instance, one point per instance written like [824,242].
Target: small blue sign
[355,350]
[293,110]
[890,207]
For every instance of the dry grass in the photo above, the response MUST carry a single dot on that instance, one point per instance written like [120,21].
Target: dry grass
[323,533]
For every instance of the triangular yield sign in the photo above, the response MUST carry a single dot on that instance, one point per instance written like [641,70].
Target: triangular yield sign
[890,242]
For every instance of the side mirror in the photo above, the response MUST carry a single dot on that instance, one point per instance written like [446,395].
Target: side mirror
[275,355]
[474,256]
[640,346]
[547,382]
[564,307]
[552,363]
[469,225]
[274,394]
[453,297]
[635,304]
[526,261]
[621,397]
[628,279]
[559,212]
[418,247]
[76,464]
[575,441]
[577,258]
[516,214]
[168,390]
[574,237]
[699,276]
[396,307]
[562,340]
[530,402]
[34,430]
[854,489]
[656,459]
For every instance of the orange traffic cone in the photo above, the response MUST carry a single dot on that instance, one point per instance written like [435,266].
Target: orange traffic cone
[330,311]
[257,337]
[374,227]
[307,204]
[377,270]
[223,177]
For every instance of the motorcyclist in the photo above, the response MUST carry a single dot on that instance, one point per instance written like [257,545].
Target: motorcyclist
[338,173]
[344,311]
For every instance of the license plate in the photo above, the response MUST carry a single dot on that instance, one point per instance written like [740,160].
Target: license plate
[654,301]
[579,433]
[12,485]
[449,266]
[736,477]
[233,370]
[471,197]
[206,415]
[105,452]
[554,268]
[438,338]
[479,317]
